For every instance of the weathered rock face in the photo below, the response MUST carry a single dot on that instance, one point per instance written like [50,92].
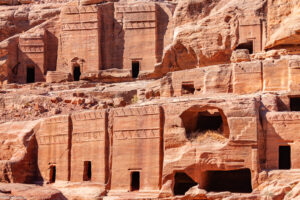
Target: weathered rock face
[18,2]
[195,34]
[125,36]
[21,191]
[149,100]
[207,32]
[19,151]
[283,24]
[18,19]
[9,2]
[14,50]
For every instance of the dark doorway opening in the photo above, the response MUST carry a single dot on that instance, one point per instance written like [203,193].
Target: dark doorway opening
[187,88]
[135,69]
[87,171]
[183,183]
[284,157]
[248,45]
[295,103]
[233,181]
[76,73]
[207,121]
[52,174]
[135,181]
[30,75]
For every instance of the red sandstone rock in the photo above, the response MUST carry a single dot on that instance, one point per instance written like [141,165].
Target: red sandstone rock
[285,13]
[240,55]
[21,191]
[203,111]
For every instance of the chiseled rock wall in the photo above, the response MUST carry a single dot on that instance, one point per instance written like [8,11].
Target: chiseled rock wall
[53,139]
[281,132]
[90,143]
[239,115]
[137,147]
[135,141]
[153,140]
[269,74]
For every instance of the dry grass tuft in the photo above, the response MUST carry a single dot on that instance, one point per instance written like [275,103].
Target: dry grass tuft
[208,135]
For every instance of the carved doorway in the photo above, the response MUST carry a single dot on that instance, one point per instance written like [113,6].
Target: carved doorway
[284,157]
[135,181]
[52,175]
[30,74]
[135,69]
[87,171]
[76,73]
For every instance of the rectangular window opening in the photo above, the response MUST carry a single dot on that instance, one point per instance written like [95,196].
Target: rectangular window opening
[87,171]
[187,88]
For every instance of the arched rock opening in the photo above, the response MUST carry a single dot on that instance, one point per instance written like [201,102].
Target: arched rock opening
[200,120]
[182,183]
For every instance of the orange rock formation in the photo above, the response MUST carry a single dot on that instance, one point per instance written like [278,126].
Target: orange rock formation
[189,99]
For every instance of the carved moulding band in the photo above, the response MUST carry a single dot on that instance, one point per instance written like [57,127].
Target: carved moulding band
[136,134]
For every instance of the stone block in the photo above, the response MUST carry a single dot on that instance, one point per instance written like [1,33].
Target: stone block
[294,75]
[57,77]
[247,77]
[275,75]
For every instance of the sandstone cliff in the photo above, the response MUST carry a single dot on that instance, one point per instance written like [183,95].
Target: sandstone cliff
[207,32]
[283,24]
[129,99]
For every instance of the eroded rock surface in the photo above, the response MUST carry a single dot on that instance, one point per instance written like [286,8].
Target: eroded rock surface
[170,100]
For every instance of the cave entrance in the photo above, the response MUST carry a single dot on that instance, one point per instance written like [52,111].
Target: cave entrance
[30,74]
[233,181]
[207,121]
[204,120]
[135,69]
[52,174]
[295,103]
[183,183]
[284,157]
[187,88]
[248,45]
[87,170]
[135,181]
[76,73]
